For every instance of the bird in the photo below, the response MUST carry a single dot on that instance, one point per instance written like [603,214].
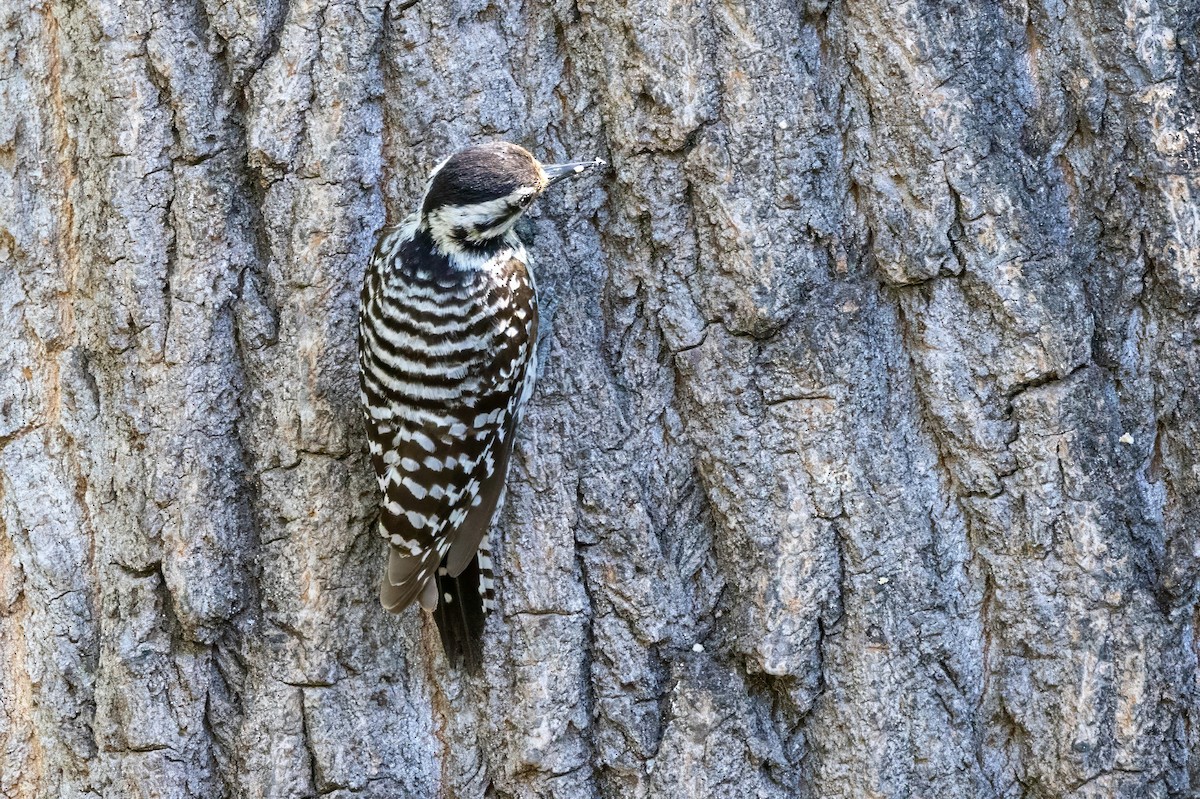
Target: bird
[447,349]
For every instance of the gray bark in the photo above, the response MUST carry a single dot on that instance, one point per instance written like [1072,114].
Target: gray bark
[862,461]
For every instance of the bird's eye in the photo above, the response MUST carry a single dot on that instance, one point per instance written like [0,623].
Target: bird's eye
[525,200]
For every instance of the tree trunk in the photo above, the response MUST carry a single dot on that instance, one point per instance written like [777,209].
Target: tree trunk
[862,462]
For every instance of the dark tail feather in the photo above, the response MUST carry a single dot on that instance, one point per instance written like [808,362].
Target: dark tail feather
[460,616]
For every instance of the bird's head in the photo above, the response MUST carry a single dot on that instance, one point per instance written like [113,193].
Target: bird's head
[475,196]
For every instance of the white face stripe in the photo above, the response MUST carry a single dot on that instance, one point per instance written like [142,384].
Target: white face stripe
[481,220]
[469,218]
[448,225]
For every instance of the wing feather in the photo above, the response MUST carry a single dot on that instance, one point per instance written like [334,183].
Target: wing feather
[443,477]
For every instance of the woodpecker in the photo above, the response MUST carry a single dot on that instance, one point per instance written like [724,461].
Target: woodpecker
[447,345]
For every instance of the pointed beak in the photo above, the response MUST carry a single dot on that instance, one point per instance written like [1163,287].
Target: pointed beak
[557,172]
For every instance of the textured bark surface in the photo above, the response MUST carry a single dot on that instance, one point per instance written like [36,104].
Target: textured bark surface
[862,463]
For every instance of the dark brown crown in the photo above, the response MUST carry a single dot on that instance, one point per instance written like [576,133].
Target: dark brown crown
[480,174]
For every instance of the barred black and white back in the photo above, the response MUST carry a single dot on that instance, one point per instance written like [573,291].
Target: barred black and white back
[447,350]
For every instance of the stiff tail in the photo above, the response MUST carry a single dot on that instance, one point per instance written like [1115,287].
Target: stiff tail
[460,616]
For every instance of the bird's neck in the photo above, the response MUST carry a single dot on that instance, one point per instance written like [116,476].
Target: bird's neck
[425,251]
[466,245]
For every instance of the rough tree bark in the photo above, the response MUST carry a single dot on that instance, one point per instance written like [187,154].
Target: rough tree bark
[862,462]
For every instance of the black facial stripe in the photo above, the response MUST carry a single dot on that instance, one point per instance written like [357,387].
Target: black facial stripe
[476,246]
